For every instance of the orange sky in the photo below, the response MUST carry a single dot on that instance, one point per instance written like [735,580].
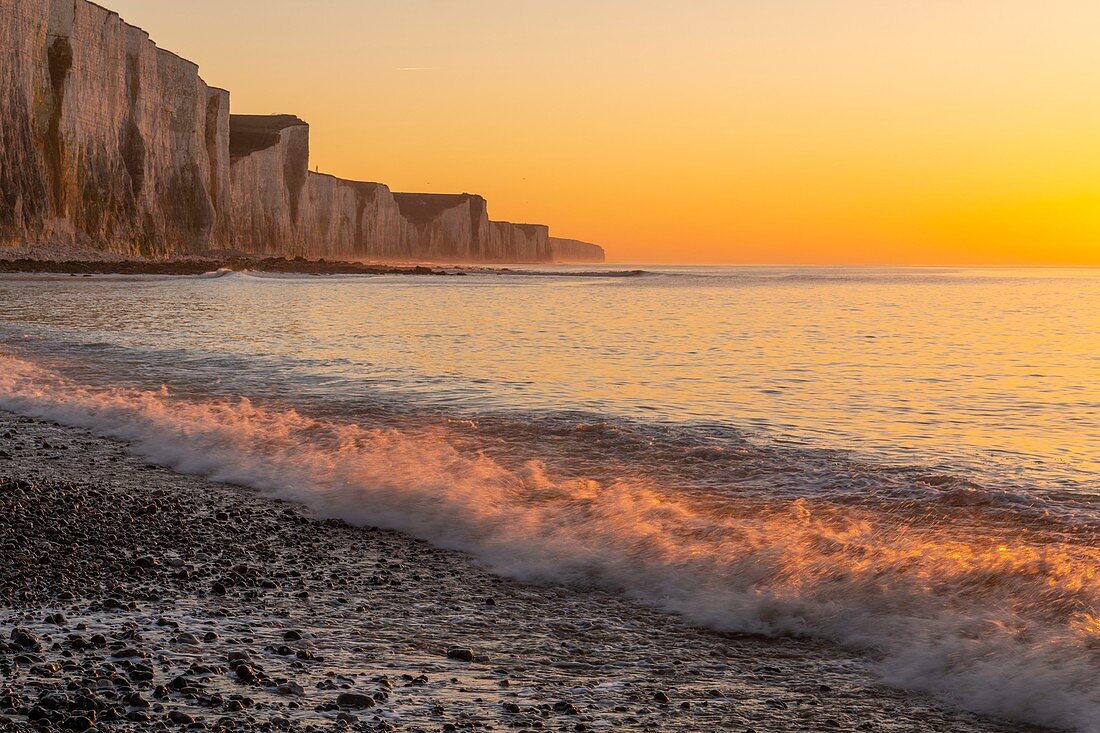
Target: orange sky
[749,131]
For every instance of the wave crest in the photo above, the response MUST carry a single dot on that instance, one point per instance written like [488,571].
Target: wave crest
[997,623]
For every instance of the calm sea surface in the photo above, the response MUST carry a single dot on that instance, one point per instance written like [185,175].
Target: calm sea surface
[900,461]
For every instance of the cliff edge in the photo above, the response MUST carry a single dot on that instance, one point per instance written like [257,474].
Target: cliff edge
[574,250]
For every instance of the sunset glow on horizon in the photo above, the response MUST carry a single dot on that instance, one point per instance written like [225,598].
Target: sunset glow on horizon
[636,365]
[787,132]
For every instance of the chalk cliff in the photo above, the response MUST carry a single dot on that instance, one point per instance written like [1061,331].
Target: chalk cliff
[280,207]
[519,242]
[447,226]
[110,143]
[107,141]
[574,250]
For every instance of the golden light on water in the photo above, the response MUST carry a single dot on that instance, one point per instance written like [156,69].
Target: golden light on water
[1089,626]
[898,463]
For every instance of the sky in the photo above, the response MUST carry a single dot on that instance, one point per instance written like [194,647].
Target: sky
[921,132]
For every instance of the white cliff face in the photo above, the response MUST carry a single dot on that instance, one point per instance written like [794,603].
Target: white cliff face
[279,207]
[114,144]
[453,227]
[519,243]
[262,193]
[23,27]
[573,250]
[354,220]
[217,148]
[109,143]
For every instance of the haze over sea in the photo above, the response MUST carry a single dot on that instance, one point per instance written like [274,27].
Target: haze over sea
[903,462]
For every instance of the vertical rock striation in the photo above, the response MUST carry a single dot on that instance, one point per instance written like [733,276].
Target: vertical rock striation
[447,226]
[280,207]
[109,143]
[519,242]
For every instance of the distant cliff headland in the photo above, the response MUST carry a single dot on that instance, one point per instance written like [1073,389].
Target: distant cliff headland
[111,145]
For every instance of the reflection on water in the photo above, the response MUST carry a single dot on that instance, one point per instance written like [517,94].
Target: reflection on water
[900,462]
[993,372]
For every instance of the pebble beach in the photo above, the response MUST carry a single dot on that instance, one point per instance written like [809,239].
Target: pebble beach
[135,598]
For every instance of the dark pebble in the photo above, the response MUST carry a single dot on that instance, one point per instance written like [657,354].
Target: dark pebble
[461,653]
[355,700]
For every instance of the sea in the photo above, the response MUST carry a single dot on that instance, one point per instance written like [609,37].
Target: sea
[904,463]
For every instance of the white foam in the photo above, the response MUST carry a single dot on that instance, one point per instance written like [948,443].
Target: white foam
[1008,626]
[219,273]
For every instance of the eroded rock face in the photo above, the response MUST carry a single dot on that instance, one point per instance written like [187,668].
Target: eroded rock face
[574,250]
[519,242]
[280,207]
[447,226]
[109,143]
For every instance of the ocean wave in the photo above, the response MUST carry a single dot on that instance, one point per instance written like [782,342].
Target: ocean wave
[248,274]
[1003,621]
[563,272]
[216,274]
[223,272]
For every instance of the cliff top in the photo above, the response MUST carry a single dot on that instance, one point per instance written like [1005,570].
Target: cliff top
[532,228]
[568,240]
[115,14]
[251,133]
[422,208]
[527,228]
[348,182]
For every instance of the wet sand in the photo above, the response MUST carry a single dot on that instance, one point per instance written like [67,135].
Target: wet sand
[134,598]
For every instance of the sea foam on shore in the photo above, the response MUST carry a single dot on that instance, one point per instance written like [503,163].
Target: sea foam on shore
[159,580]
[995,628]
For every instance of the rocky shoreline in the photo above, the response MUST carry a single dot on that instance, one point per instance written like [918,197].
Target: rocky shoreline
[134,598]
[201,265]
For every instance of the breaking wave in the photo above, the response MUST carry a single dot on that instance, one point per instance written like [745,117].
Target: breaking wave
[219,273]
[958,602]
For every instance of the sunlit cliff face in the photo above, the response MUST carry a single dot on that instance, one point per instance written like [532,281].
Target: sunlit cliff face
[843,132]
